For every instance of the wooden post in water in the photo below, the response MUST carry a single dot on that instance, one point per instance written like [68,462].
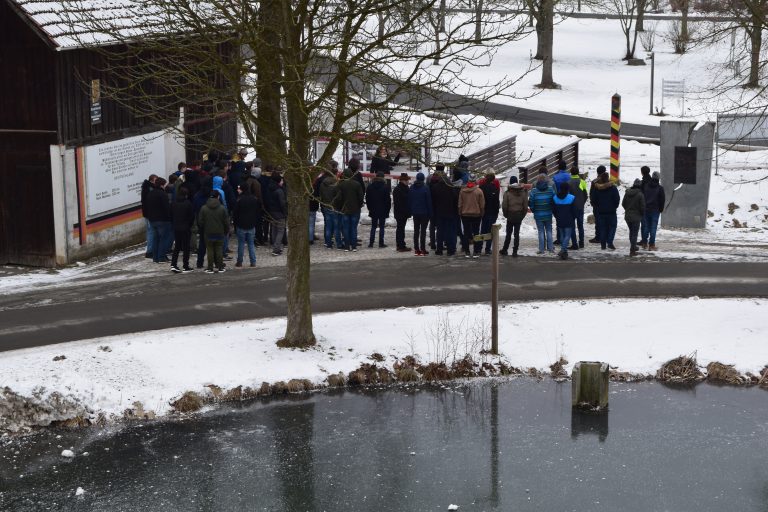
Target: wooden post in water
[495,288]
[589,385]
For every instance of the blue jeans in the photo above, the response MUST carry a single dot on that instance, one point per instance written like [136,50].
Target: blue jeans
[312,221]
[544,227]
[564,234]
[349,229]
[332,222]
[163,233]
[607,228]
[485,227]
[649,227]
[246,236]
[150,238]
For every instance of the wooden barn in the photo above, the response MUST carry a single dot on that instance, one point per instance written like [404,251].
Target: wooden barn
[72,162]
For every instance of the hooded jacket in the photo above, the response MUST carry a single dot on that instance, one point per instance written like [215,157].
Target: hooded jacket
[471,201]
[278,206]
[445,198]
[213,219]
[634,204]
[491,191]
[218,181]
[564,208]
[578,188]
[540,201]
[560,177]
[327,190]
[419,199]
[182,214]
[514,206]
[378,200]
[654,197]
[158,206]
[246,212]
[605,198]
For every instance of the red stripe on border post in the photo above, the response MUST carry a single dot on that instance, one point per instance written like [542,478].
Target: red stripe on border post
[615,137]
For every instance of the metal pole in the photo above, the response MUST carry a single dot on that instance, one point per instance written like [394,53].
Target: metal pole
[495,288]
[653,62]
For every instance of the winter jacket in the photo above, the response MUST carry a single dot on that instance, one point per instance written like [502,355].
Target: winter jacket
[560,177]
[564,209]
[278,207]
[634,204]
[146,187]
[218,182]
[654,197]
[246,212]
[471,201]
[158,206]
[514,206]
[400,201]
[540,201]
[213,219]
[381,164]
[314,203]
[349,200]
[328,189]
[491,193]
[605,198]
[255,188]
[420,200]
[182,215]
[378,200]
[235,173]
[445,198]
[578,188]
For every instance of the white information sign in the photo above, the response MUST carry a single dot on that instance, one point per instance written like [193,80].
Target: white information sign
[114,171]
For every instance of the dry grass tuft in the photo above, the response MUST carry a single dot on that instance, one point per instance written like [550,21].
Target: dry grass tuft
[189,402]
[336,380]
[407,375]
[265,389]
[557,369]
[379,358]
[435,371]
[233,395]
[683,369]
[628,377]
[719,372]
[279,388]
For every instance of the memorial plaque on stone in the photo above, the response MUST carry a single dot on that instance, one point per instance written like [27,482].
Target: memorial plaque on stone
[685,165]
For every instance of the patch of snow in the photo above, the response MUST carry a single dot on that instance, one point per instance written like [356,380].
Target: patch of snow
[80,491]
[68,454]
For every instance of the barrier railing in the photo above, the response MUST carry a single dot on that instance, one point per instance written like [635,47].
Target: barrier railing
[499,157]
[569,153]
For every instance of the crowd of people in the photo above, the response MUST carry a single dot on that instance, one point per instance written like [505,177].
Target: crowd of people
[203,205]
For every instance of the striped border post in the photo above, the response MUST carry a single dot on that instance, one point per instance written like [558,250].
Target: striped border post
[615,138]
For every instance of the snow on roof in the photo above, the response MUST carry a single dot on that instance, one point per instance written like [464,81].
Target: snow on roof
[69,24]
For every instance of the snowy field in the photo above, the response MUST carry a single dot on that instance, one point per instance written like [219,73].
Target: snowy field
[110,374]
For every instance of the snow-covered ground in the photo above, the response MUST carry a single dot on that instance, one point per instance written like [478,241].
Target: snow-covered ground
[110,374]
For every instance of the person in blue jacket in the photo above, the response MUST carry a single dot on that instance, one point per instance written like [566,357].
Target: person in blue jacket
[564,210]
[561,176]
[540,203]
[420,204]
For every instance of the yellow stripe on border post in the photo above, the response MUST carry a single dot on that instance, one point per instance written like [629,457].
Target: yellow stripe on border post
[615,135]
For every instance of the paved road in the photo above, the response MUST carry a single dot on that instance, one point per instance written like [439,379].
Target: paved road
[118,302]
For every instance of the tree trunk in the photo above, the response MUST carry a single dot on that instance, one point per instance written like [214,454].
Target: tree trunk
[756,42]
[684,22]
[270,141]
[640,15]
[541,45]
[441,23]
[546,21]
[478,21]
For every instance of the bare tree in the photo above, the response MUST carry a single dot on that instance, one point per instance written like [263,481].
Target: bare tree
[543,12]
[293,70]
[627,10]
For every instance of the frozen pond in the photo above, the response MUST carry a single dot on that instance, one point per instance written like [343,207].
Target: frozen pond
[488,445]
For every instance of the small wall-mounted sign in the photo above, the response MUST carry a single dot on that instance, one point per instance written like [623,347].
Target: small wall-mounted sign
[95,101]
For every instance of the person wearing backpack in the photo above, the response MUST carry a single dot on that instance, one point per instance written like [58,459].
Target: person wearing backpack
[577,187]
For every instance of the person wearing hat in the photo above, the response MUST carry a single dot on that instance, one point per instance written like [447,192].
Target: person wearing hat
[514,207]
[402,211]
[379,204]
[420,206]
[634,210]
[236,172]
[471,210]
[592,187]
[654,205]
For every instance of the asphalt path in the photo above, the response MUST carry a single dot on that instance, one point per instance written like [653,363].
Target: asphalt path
[121,302]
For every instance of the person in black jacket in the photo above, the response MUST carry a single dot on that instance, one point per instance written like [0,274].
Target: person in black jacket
[146,186]
[381,161]
[182,218]
[654,206]
[245,217]
[401,210]
[490,187]
[158,211]
[445,207]
[379,203]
